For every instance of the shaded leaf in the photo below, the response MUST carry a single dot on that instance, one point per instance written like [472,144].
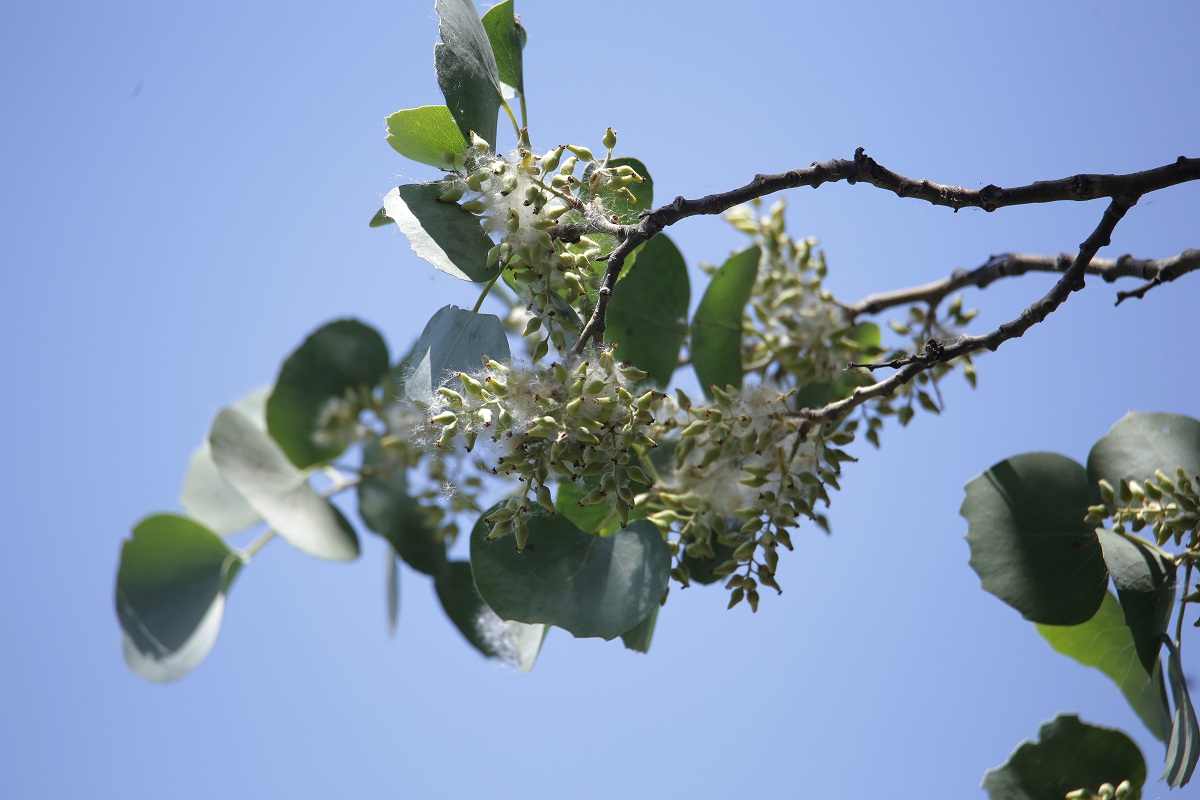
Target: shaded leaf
[507,37]
[1068,755]
[1145,584]
[717,324]
[454,340]
[387,509]
[310,413]
[207,497]
[259,470]
[170,594]
[1029,542]
[381,219]
[426,135]
[1105,642]
[1140,443]
[638,638]
[513,642]
[441,233]
[585,584]
[647,315]
[1183,748]
[466,69]
[392,589]
[643,193]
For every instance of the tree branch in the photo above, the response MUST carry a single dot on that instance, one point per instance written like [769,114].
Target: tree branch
[1010,265]
[939,353]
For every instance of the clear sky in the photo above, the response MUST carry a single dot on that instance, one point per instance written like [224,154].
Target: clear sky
[185,195]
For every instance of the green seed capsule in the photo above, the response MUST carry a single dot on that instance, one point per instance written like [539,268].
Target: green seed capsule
[473,206]
[453,193]
[581,152]
[610,139]
[550,160]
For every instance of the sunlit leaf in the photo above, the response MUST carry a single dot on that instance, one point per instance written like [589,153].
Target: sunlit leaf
[507,37]
[588,585]
[1105,642]
[441,233]
[717,325]
[310,412]
[170,594]
[643,192]
[454,340]
[647,315]
[513,642]
[426,135]
[258,469]
[1145,582]
[1141,443]
[1029,542]
[466,69]
[1068,755]
[207,497]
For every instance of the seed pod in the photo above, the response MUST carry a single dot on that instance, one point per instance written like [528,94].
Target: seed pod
[545,500]
[473,206]
[550,160]
[752,599]
[453,193]
[735,596]
[635,474]
[541,349]
[581,152]
[443,418]
[453,398]
[744,551]
[610,139]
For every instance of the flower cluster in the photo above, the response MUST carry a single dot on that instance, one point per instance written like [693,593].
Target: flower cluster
[1169,507]
[581,425]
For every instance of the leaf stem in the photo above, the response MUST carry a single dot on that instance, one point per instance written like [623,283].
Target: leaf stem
[1187,583]
[258,544]
[512,117]
[485,291]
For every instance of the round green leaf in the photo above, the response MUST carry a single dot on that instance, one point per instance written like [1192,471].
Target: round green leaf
[386,507]
[311,393]
[1145,582]
[513,642]
[454,340]
[441,233]
[647,315]
[1141,443]
[466,70]
[170,596]
[1068,755]
[207,497]
[1106,643]
[507,37]
[425,135]
[1029,542]
[257,468]
[717,325]
[588,585]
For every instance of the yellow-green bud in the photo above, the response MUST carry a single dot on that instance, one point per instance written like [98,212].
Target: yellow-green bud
[550,160]
[610,139]
[581,152]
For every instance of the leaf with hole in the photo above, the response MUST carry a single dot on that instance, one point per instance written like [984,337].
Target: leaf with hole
[1029,543]
[170,594]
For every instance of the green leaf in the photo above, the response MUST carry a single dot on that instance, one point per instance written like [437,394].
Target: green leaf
[259,470]
[588,585]
[1068,755]
[589,518]
[647,315]
[638,637]
[441,233]
[1145,584]
[426,135]
[1183,748]
[507,37]
[170,595]
[312,412]
[466,69]
[1140,443]
[380,219]
[643,193]
[1029,542]
[454,340]
[207,497]
[1105,642]
[717,325]
[387,509]
[513,642]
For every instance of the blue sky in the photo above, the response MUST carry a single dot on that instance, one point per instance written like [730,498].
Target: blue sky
[187,188]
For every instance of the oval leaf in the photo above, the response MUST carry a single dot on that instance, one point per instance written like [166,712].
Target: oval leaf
[1029,543]
[207,497]
[387,509]
[466,70]
[311,412]
[1068,755]
[1141,443]
[1145,584]
[1183,748]
[507,37]
[441,233]
[426,135]
[513,642]
[588,585]
[454,340]
[647,315]
[171,588]
[717,325]
[257,468]
[1105,642]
